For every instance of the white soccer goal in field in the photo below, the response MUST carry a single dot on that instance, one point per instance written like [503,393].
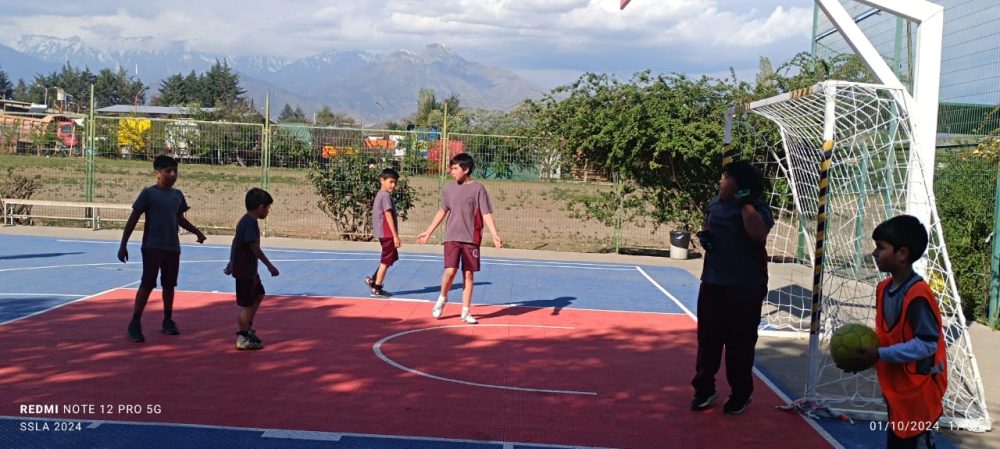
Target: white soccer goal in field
[842,157]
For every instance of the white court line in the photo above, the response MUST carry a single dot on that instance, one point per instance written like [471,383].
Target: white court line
[302,435]
[377,347]
[66,304]
[96,423]
[427,300]
[370,257]
[403,256]
[774,387]
[665,292]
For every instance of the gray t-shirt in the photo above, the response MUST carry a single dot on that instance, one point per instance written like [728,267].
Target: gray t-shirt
[162,208]
[735,259]
[380,226]
[242,259]
[466,204]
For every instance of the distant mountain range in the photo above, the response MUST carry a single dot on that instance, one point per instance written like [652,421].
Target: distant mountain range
[352,82]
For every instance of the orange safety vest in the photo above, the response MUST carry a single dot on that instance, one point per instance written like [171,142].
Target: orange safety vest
[914,399]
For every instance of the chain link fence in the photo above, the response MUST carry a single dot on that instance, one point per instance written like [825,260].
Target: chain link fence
[968,121]
[531,186]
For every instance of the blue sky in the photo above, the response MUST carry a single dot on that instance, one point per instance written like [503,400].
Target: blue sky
[547,41]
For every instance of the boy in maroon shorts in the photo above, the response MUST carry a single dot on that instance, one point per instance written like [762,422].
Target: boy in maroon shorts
[384,227]
[467,206]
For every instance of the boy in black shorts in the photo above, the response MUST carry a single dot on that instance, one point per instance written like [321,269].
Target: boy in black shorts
[164,207]
[242,265]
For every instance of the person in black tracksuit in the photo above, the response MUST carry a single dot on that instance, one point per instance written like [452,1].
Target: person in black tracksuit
[733,286]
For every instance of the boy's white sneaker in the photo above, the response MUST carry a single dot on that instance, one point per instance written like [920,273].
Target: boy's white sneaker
[438,307]
[469,319]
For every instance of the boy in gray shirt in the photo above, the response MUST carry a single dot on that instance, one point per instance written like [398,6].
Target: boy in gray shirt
[164,207]
[467,207]
[385,226]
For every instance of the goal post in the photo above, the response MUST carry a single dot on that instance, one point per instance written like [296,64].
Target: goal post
[839,157]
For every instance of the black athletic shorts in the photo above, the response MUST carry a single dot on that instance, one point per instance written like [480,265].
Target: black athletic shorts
[248,291]
[157,261]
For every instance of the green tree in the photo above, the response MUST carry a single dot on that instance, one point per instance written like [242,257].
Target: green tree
[347,189]
[430,111]
[658,137]
[21,91]
[326,117]
[117,87]
[426,104]
[290,115]
[220,85]
[175,91]
[75,84]
[803,70]
[6,88]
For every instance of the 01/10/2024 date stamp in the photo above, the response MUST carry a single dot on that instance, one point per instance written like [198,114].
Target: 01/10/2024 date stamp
[902,426]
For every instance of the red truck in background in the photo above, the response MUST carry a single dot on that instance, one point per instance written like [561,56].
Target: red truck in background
[25,133]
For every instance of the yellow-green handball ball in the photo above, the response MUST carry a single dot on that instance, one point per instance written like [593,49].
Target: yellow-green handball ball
[846,341]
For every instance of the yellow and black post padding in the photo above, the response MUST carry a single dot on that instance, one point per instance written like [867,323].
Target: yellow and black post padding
[824,190]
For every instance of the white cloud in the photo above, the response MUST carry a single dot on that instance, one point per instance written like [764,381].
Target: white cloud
[530,36]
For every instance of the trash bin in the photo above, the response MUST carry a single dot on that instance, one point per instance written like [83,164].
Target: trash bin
[679,242]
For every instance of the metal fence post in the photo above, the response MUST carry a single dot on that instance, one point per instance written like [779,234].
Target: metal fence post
[265,150]
[619,212]
[91,130]
[994,305]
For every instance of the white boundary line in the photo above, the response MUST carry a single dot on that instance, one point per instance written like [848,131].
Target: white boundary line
[368,257]
[293,433]
[65,304]
[774,387]
[377,348]
[403,256]
[667,294]
[429,300]
[364,259]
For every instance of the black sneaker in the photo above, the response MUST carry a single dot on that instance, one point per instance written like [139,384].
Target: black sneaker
[379,293]
[703,401]
[735,406]
[370,281]
[134,332]
[244,343]
[170,328]
[253,336]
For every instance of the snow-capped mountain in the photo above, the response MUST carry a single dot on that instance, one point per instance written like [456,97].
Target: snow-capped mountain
[350,81]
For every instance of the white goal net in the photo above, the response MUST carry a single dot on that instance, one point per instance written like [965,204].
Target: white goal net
[839,161]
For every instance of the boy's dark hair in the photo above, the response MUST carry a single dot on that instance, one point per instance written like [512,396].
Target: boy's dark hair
[389,173]
[163,161]
[463,160]
[746,176]
[903,231]
[256,197]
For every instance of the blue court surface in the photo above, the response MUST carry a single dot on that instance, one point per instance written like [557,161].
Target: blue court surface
[43,276]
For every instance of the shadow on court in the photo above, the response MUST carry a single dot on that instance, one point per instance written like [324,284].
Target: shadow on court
[319,372]
[37,256]
[457,285]
[524,307]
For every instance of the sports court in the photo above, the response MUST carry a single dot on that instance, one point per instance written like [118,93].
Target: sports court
[567,354]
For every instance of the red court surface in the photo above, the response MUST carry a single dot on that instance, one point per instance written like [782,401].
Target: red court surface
[319,372]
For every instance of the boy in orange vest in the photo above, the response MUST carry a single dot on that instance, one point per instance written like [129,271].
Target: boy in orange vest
[911,360]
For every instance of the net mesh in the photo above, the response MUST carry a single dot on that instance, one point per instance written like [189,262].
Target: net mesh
[869,182]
